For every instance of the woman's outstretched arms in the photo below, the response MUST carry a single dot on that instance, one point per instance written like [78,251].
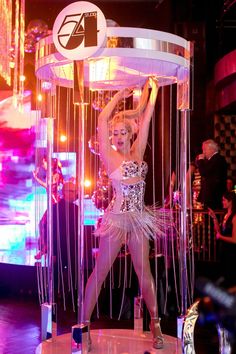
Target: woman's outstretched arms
[142,114]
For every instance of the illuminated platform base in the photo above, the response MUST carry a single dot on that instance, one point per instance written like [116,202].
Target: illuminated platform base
[112,341]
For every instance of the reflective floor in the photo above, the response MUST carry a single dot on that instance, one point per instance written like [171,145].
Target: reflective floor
[20,331]
[19,324]
[20,314]
[112,341]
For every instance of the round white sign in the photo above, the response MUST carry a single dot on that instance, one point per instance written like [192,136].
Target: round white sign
[79,30]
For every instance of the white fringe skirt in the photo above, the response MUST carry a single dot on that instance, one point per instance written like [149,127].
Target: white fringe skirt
[152,223]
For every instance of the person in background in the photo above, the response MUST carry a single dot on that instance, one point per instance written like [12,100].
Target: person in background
[226,236]
[57,183]
[213,170]
[173,199]
[57,178]
[65,235]
[122,143]
[64,231]
[230,183]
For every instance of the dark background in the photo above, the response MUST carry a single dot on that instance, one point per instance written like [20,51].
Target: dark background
[209,24]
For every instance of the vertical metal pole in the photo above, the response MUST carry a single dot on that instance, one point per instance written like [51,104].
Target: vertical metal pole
[48,309]
[183,211]
[49,208]
[184,104]
[81,214]
[184,114]
[79,341]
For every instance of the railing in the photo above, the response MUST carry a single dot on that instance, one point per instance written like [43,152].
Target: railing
[203,235]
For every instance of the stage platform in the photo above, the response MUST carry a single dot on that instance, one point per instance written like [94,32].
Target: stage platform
[112,341]
[18,277]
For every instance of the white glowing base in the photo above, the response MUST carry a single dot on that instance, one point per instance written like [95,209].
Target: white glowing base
[112,341]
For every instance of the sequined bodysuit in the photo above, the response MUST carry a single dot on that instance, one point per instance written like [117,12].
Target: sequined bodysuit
[128,187]
[126,213]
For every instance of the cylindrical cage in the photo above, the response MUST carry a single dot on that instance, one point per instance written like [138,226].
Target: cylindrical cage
[73,96]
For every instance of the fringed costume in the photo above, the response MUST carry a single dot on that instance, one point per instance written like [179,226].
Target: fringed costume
[126,212]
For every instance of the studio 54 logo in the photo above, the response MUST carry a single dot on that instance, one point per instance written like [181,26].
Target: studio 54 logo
[84,28]
[79,30]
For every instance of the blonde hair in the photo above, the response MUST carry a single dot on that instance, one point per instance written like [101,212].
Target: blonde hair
[130,124]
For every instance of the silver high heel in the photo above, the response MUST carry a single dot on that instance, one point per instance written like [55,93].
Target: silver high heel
[158,339]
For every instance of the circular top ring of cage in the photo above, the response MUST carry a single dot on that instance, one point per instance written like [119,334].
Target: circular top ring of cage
[127,57]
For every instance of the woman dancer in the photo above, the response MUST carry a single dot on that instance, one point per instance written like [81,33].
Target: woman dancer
[127,220]
[57,178]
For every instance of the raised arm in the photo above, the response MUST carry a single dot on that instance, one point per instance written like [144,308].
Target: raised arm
[141,142]
[105,149]
[39,180]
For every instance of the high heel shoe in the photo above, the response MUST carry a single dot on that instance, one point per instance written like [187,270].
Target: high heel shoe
[158,339]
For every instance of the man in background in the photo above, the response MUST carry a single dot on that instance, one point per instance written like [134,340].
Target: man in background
[213,170]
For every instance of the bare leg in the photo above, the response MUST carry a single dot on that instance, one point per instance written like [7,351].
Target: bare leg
[139,250]
[108,250]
